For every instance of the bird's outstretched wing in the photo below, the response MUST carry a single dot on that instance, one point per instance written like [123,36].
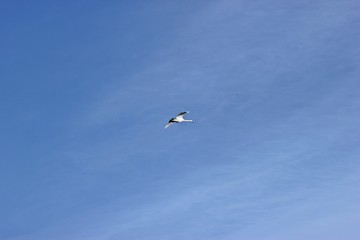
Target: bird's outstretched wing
[168,125]
[182,114]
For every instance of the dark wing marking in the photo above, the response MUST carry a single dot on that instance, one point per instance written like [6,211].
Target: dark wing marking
[182,113]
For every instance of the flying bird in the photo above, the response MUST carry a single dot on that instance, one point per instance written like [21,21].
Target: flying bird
[178,119]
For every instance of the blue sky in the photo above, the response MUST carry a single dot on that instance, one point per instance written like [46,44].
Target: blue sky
[88,86]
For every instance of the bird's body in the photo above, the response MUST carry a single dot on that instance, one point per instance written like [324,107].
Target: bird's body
[178,119]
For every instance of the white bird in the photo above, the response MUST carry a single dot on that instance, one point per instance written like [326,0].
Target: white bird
[178,119]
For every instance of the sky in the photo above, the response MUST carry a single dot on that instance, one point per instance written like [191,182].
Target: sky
[86,88]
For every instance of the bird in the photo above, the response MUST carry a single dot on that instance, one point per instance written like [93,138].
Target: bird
[178,119]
